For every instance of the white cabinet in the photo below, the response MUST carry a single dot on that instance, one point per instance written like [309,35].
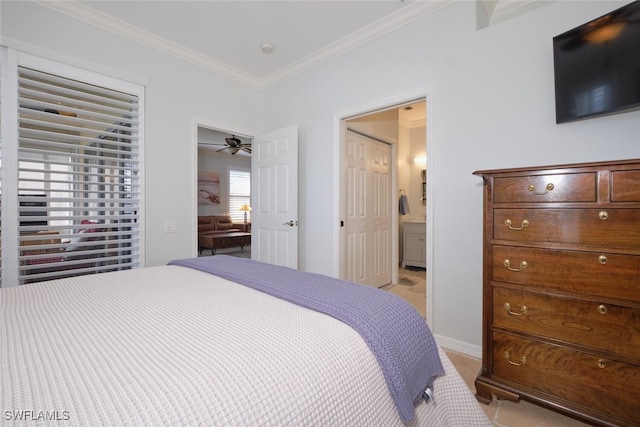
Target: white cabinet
[414,244]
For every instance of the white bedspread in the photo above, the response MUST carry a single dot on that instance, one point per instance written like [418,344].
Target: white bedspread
[174,346]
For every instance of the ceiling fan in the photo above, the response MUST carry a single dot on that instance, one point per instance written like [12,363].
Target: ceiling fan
[233,145]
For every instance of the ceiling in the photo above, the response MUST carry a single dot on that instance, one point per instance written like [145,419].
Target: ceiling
[227,36]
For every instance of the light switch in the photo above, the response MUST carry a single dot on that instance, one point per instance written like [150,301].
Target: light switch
[170,227]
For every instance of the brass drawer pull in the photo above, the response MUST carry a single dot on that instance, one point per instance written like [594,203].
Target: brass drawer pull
[602,259]
[523,360]
[524,224]
[522,311]
[602,363]
[549,187]
[602,309]
[523,265]
[603,215]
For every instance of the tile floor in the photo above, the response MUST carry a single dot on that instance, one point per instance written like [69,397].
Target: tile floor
[503,413]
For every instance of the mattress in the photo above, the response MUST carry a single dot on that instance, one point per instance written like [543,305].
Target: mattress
[174,346]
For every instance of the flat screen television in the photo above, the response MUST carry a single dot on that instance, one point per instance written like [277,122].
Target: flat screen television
[597,66]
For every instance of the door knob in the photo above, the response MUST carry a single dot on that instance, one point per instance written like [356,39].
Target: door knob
[290,223]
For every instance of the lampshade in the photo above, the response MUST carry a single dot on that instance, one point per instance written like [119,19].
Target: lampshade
[245,208]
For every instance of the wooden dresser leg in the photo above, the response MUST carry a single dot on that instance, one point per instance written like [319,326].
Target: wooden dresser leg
[483,393]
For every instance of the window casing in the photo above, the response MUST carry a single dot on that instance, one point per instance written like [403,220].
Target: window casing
[75,195]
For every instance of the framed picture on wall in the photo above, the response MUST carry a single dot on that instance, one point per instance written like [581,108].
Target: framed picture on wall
[208,188]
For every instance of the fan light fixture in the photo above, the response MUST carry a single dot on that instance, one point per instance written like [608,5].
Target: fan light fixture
[233,145]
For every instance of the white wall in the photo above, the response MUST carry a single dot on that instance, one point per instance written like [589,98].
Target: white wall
[492,107]
[177,94]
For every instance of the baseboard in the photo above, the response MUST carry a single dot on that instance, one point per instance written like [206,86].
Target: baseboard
[459,346]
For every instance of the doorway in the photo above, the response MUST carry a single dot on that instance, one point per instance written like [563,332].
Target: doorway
[403,127]
[273,208]
[223,187]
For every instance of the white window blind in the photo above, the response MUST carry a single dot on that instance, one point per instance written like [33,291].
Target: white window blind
[239,194]
[78,178]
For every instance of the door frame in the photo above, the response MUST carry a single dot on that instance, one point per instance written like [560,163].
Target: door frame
[339,130]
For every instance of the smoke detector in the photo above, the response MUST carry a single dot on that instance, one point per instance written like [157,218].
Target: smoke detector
[267,48]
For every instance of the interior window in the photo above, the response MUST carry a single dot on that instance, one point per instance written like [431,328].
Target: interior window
[78,187]
[239,195]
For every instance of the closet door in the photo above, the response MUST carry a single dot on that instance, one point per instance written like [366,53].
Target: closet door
[368,219]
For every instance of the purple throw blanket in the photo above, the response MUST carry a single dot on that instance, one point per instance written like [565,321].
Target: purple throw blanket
[394,331]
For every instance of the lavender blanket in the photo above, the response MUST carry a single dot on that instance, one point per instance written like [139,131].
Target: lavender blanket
[399,338]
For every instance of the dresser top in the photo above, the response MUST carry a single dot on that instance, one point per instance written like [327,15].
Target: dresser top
[607,164]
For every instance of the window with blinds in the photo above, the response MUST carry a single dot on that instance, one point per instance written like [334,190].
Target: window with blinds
[239,194]
[78,185]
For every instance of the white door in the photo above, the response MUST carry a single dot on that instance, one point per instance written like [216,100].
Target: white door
[368,219]
[274,198]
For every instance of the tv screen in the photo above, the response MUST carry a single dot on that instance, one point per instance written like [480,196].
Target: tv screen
[597,66]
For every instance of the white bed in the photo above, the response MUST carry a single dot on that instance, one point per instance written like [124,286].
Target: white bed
[175,346]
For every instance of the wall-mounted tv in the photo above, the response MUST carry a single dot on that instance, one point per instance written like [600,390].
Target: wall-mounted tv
[597,66]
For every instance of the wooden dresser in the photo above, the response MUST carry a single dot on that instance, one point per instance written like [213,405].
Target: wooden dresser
[561,289]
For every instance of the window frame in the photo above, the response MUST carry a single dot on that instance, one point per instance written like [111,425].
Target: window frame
[10,60]
[237,216]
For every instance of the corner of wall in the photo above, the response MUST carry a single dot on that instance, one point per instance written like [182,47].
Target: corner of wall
[459,346]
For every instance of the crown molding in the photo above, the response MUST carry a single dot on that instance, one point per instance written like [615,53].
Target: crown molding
[138,35]
[502,10]
[418,123]
[403,16]
[412,124]
[391,22]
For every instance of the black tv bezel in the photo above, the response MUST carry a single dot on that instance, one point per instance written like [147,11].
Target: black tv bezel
[581,29]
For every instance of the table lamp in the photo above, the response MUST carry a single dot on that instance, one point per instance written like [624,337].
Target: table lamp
[246,208]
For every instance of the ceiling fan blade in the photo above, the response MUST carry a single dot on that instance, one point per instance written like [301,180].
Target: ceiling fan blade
[212,144]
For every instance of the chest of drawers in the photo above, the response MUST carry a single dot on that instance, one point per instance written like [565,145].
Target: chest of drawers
[561,289]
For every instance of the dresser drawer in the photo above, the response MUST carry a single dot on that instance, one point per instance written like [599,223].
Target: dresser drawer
[577,187]
[609,227]
[594,382]
[591,324]
[625,186]
[591,273]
